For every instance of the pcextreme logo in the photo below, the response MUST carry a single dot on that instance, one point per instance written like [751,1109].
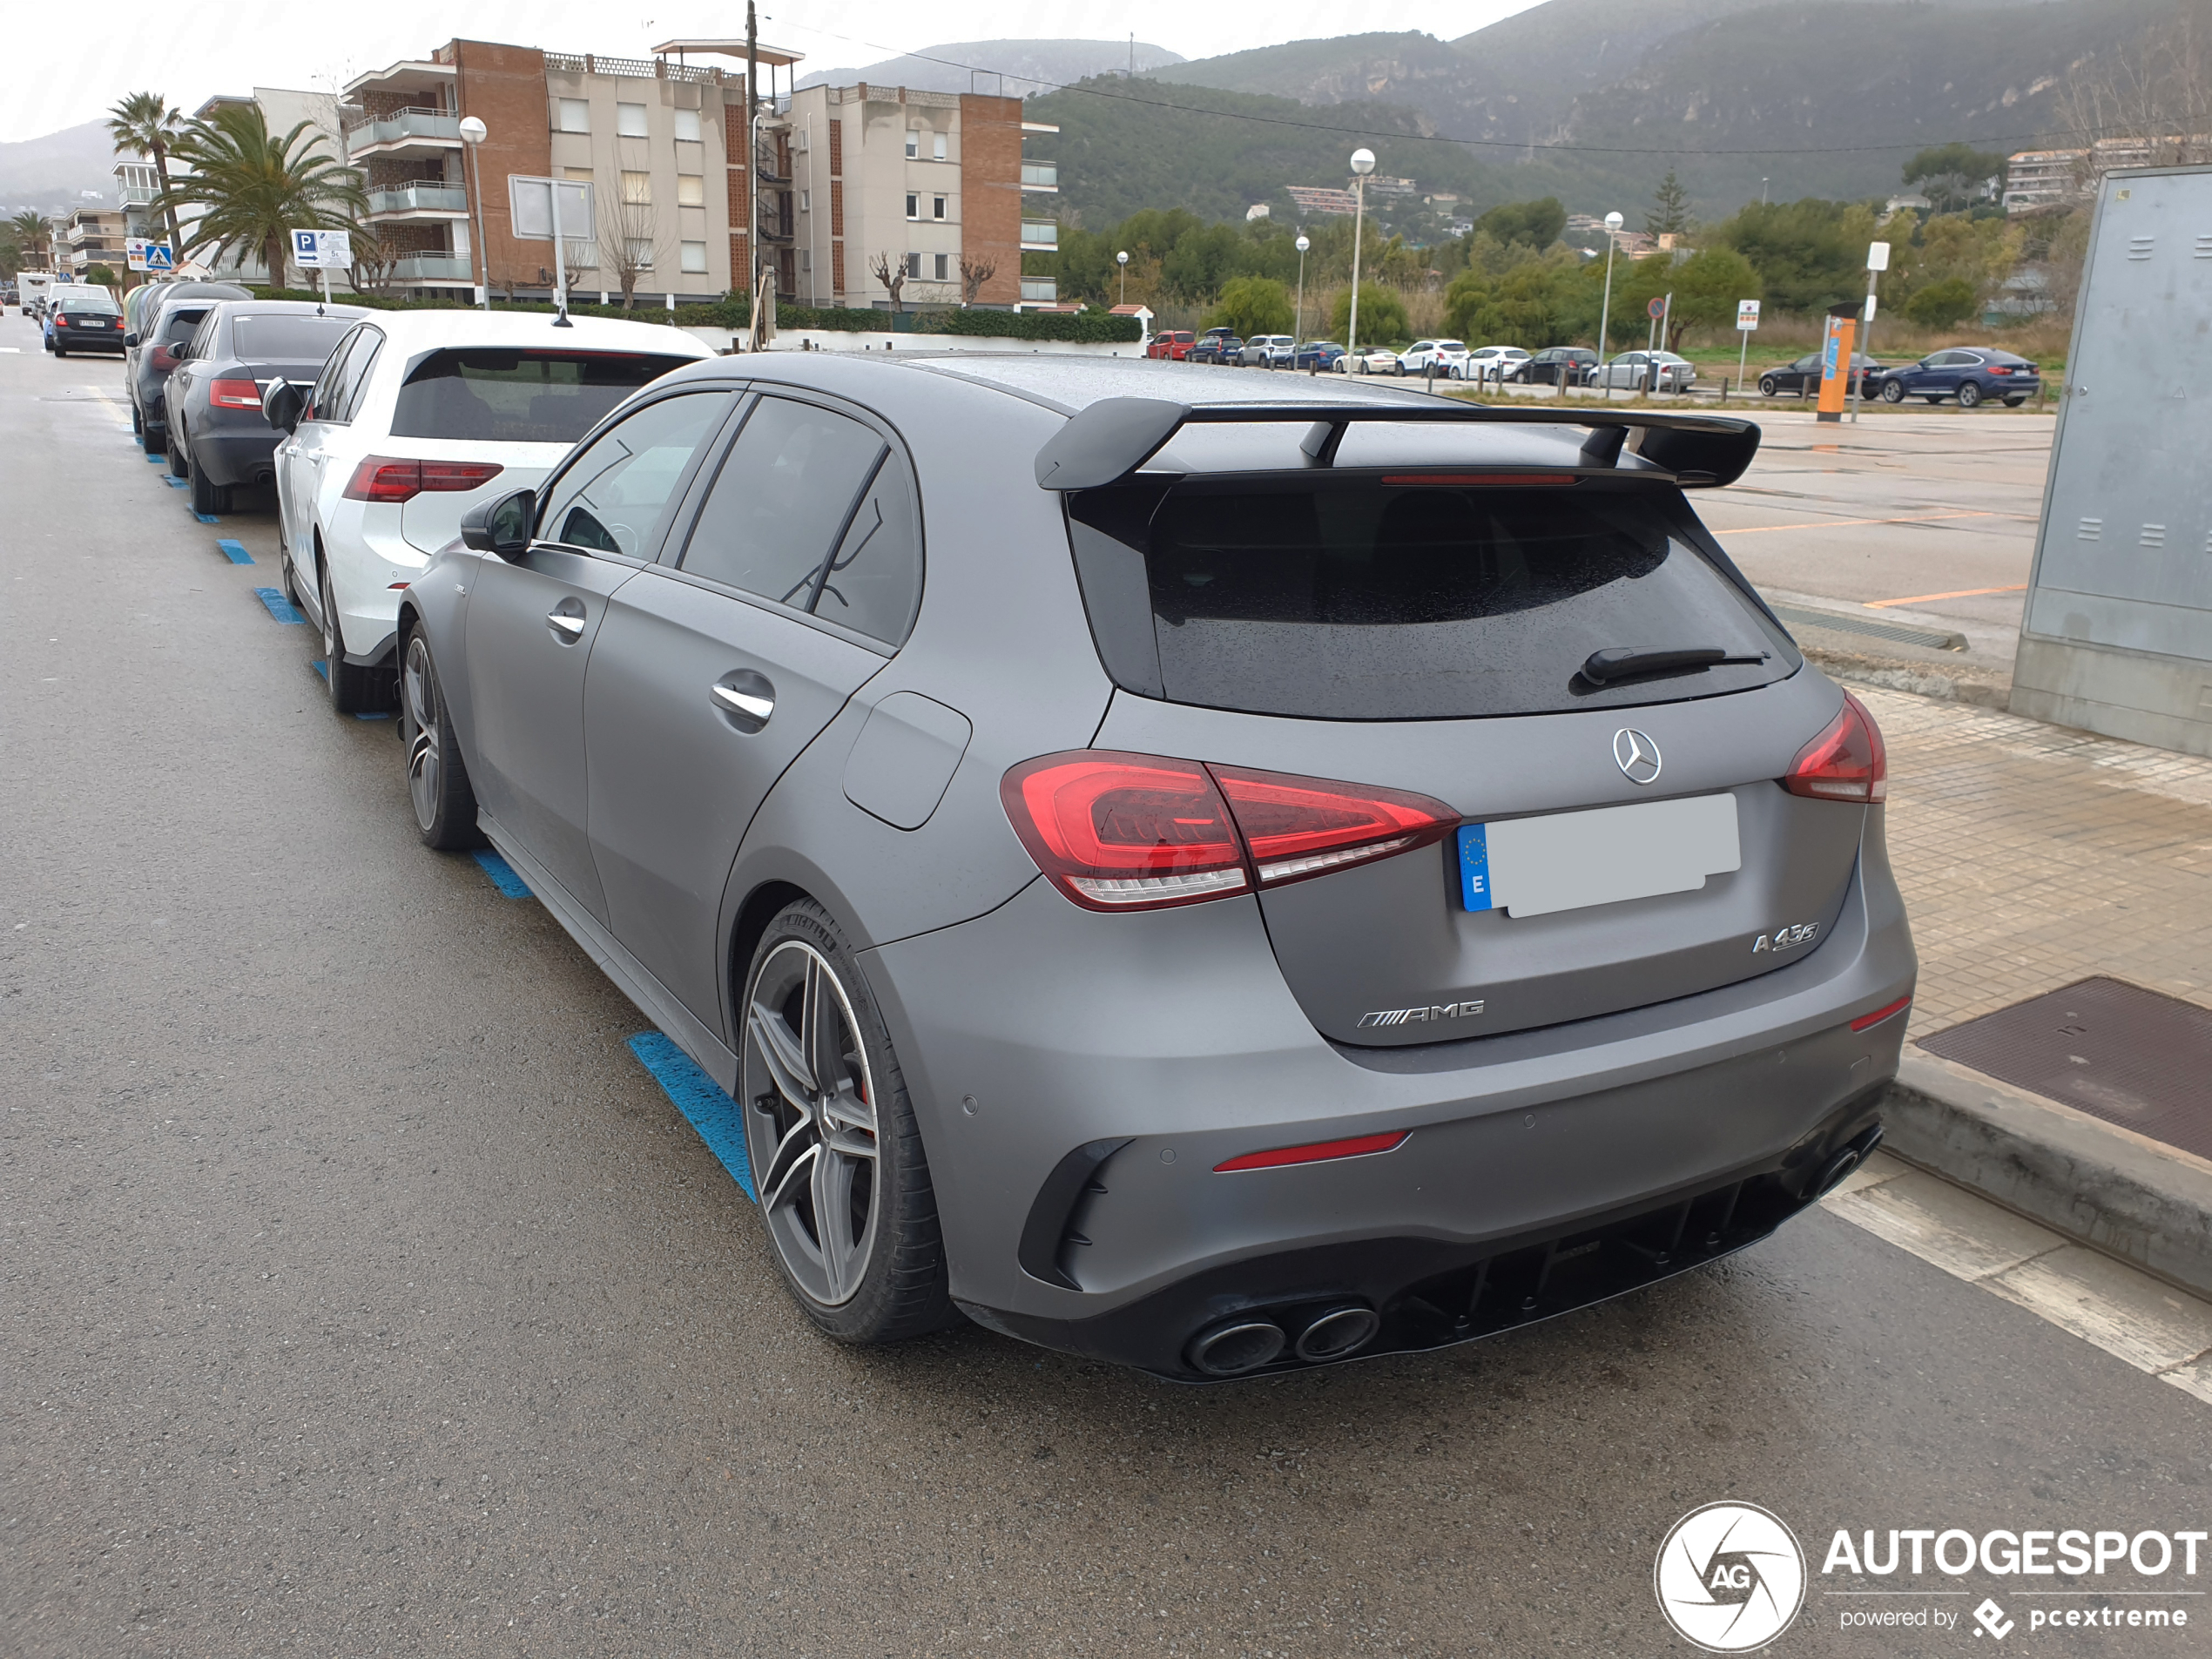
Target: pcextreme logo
[1729,1577]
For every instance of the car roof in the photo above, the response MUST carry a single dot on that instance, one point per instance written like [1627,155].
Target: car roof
[433,330]
[288,308]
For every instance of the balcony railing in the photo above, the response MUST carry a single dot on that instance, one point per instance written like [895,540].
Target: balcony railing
[404,124]
[432,267]
[139,195]
[419,198]
[1040,291]
[1040,175]
[1039,235]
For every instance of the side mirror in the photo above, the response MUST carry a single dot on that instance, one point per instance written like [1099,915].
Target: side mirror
[501,526]
[130,339]
[282,405]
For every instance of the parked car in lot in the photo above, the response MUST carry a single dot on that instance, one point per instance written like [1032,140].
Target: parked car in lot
[1442,992]
[1574,364]
[84,319]
[1216,346]
[1649,371]
[1803,376]
[1368,360]
[1445,354]
[216,433]
[415,417]
[1267,351]
[163,325]
[1317,354]
[1970,373]
[1496,364]
[1173,345]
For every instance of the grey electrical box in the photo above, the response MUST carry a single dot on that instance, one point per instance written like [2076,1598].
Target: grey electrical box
[2117,636]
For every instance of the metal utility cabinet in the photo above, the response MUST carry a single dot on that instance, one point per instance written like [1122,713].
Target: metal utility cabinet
[2117,636]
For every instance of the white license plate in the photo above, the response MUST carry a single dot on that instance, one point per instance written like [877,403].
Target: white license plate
[1532,867]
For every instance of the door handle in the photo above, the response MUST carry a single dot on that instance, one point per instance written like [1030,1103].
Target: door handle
[744,698]
[566,620]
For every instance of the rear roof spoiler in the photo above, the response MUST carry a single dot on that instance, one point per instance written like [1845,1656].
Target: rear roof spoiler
[1108,439]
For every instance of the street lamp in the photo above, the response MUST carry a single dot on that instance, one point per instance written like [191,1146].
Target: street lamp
[1363,162]
[1763,185]
[1613,223]
[1297,326]
[1121,260]
[473,133]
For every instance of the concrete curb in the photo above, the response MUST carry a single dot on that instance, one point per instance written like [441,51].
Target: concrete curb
[2108,1188]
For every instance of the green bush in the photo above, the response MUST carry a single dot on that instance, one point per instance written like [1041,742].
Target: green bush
[1944,305]
[1382,314]
[1253,305]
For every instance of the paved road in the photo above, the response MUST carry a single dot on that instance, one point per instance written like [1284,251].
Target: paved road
[363,1295]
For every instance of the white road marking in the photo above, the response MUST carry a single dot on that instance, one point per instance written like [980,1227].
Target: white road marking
[2130,1315]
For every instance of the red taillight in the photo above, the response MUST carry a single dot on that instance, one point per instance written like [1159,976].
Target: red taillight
[1358,1146]
[379,478]
[61,319]
[1999,368]
[1846,762]
[1461,480]
[1866,1021]
[1129,832]
[234,395]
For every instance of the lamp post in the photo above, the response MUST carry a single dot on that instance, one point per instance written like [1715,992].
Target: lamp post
[1298,325]
[1121,260]
[1763,185]
[1363,162]
[1613,223]
[473,133]
[1878,260]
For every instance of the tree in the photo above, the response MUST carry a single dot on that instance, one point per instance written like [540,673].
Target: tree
[629,240]
[99,275]
[1537,224]
[976,269]
[1535,304]
[1944,305]
[1949,174]
[144,125]
[254,188]
[1382,314]
[893,278]
[1707,287]
[1253,305]
[1670,214]
[1809,254]
[31,233]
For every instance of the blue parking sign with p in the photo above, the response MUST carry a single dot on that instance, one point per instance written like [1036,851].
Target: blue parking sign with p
[303,244]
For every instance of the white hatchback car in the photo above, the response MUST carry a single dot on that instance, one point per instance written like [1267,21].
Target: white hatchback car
[1445,354]
[415,418]
[1500,363]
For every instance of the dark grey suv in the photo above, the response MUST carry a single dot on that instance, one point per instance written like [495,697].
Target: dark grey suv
[1220,886]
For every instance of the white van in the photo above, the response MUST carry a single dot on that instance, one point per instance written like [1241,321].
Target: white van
[30,289]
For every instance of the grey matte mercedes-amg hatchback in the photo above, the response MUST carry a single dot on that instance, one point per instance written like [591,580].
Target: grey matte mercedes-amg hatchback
[1221,886]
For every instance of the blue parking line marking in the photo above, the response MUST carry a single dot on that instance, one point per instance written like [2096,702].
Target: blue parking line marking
[156,456]
[206,518]
[709,1111]
[378,714]
[174,483]
[234,551]
[502,874]
[323,668]
[280,607]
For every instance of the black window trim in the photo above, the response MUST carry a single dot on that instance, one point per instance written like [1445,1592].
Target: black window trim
[680,495]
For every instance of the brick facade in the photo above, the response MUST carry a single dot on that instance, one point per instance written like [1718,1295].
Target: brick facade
[504,88]
[734,143]
[990,169]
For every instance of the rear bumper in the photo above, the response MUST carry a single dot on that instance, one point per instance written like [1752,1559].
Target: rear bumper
[1173,1037]
[235,456]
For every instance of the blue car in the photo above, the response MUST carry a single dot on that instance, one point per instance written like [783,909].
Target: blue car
[1317,354]
[1970,373]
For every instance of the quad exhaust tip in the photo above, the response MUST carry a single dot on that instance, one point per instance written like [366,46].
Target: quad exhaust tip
[1244,1344]
[1338,1332]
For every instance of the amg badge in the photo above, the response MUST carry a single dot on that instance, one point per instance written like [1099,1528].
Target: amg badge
[1414,1016]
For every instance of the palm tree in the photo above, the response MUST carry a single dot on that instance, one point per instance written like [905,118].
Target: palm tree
[144,125]
[29,228]
[255,188]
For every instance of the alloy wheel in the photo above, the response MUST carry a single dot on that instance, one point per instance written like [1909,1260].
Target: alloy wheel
[811,1122]
[425,760]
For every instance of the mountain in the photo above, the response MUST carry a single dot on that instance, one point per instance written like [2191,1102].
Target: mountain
[1012,68]
[48,173]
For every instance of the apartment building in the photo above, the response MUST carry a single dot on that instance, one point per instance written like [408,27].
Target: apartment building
[92,236]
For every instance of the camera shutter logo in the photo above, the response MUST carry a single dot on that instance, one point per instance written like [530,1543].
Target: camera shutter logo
[1729,1577]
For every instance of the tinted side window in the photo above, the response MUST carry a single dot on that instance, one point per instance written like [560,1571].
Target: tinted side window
[783,496]
[613,497]
[325,396]
[354,380]
[179,324]
[874,582]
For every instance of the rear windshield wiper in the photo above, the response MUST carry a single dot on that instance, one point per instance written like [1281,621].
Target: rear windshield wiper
[1619,663]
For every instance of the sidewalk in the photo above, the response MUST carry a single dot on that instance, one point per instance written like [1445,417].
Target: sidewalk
[2030,857]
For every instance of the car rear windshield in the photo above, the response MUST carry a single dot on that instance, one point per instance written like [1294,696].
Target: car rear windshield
[519,396]
[286,339]
[1367,597]
[99,303]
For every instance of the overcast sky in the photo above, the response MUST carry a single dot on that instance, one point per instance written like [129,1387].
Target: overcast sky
[191,51]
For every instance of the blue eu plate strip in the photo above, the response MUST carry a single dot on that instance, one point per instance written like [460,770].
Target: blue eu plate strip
[280,607]
[234,551]
[502,874]
[1474,868]
[712,1113]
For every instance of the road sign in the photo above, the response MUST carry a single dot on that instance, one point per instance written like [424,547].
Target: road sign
[1656,310]
[322,249]
[1747,315]
[531,203]
[1878,256]
[143,255]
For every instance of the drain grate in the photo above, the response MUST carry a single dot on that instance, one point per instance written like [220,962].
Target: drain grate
[1904,633]
[2113,1050]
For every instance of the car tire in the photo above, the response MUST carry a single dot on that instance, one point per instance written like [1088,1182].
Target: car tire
[883,1279]
[208,497]
[174,451]
[353,688]
[2014,402]
[138,424]
[1970,396]
[437,779]
[1768,387]
[1892,392]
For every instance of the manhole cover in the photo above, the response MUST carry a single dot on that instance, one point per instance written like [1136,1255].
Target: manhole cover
[2115,1051]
